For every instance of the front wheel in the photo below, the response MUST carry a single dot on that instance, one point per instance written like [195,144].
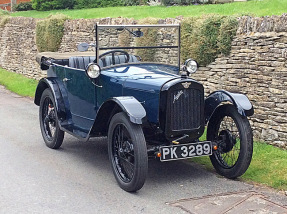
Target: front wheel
[234,136]
[127,153]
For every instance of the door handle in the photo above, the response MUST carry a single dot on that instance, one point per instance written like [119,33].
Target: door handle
[66,79]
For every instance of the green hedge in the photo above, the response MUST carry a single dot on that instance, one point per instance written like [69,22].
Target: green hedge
[134,2]
[149,39]
[97,3]
[4,12]
[43,5]
[3,20]
[4,17]
[183,2]
[23,6]
[124,39]
[227,31]
[204,38]
[49,33]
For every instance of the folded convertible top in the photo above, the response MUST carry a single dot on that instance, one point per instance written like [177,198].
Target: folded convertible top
[57,55]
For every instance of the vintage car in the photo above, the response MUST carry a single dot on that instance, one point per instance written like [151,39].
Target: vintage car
[146,109]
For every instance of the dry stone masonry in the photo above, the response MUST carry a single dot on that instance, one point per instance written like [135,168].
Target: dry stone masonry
[18,47]
[256,65]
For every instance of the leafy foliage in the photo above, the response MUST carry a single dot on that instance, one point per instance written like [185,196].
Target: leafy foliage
[49,33]
[3,12]
[134,2]
[149,39]
[3,20]
[252,8]
[180,2]
[4,17]
[226,33]
[204,38]
[97,3]
[187,28]
[124,39]
[23,6]
[43,5]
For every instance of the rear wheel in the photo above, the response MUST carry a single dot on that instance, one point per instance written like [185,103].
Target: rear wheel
[127,153]
[233,134]
[49,125]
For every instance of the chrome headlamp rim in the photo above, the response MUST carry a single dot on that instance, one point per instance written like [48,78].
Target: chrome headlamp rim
[93,70]
[191,66]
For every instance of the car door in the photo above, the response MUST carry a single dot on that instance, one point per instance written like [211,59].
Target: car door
[82,98]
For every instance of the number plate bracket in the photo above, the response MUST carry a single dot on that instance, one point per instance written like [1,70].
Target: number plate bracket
[184,151]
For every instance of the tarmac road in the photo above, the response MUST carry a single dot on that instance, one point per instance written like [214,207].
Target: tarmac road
[78,178]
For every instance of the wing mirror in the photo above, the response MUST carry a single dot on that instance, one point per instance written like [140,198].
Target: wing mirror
[138,33]
[83,47]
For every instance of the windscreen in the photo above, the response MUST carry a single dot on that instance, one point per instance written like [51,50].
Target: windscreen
[144,44]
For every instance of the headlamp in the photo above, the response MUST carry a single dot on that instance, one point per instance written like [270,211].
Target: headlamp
[93,70]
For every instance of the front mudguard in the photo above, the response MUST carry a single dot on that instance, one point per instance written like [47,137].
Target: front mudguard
[130,105]
[219,98]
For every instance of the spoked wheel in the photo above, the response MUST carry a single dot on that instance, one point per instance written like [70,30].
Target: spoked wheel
[233,134]
[50,129]
[127,153]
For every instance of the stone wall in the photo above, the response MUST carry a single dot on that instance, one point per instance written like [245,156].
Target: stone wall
[256,65]
[78,31]
[18,47]
[82,30]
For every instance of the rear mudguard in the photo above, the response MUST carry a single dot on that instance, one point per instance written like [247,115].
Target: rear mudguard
[218,98]
[130,105]
[53,84]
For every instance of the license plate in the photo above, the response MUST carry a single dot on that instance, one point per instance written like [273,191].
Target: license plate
[183,151]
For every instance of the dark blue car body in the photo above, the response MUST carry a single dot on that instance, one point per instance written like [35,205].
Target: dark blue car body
[81,102]
[146,110]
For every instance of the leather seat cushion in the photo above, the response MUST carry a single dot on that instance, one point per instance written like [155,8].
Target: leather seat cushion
[81,62]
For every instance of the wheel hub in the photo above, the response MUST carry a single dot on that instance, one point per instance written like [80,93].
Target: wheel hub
[127,146]
[227,141]
[51,119]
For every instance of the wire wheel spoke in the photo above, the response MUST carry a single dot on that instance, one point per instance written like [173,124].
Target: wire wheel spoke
[128,167]
[229,135]
[123,153]
[48,117]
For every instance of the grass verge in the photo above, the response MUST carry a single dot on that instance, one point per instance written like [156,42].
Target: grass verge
[18,83]
[268,166]
[254,7]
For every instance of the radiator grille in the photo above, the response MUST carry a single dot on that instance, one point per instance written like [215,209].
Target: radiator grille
[185,107]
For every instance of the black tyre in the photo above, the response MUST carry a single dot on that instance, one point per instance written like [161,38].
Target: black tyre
[235,141]
[127,152]
[50,129]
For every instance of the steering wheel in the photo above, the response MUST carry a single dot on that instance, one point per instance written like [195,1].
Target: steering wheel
[113,55]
